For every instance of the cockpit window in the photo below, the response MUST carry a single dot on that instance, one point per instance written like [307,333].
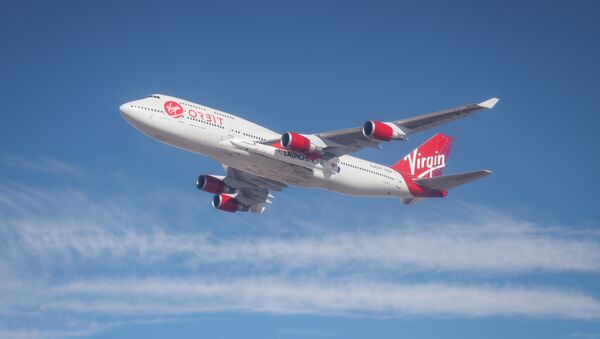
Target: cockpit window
[153,96]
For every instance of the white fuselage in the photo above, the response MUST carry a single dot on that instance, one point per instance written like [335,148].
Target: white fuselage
[239,143]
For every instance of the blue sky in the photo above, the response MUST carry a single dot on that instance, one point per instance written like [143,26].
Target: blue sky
[103,233]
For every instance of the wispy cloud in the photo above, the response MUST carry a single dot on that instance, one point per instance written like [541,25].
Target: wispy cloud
[48,333]
[45,224]
[465,249]
[46,165]
[65,252]
[351,297]
[584,335]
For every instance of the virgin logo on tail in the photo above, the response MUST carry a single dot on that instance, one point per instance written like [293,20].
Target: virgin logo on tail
[173,109]
[427,160]
[433,162]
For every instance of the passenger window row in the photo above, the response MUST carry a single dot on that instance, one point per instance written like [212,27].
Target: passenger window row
[146,108]
[367,170]
[249,135]
[204,122]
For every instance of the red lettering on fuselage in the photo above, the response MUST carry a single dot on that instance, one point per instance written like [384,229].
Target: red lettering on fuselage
[207,117]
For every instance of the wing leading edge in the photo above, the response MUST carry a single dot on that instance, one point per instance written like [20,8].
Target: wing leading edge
[352,139]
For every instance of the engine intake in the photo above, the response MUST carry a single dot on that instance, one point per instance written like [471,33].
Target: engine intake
[298,143]
[213,185]
[381,131]
[226,203]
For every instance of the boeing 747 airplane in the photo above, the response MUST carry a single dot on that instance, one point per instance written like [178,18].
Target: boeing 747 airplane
[258,160]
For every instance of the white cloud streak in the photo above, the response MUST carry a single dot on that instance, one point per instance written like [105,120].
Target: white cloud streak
[47,334]
[496,245]
[47,165]
[51,244]
[466,249]
[350,297]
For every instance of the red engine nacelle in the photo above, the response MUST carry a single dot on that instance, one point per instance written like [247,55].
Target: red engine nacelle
[298,143]
[226,203]
[381,131]
[213,185]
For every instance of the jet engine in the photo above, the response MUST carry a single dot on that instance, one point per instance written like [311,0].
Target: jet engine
[226,203]
[212,184]
[298,143]
[382,131]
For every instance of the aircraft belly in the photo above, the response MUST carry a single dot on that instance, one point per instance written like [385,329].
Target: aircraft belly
[281,171]
[353,183]
[193,137]
[268,168]
[346,182]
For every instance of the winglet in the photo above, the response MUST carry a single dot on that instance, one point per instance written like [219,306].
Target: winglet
[489,103]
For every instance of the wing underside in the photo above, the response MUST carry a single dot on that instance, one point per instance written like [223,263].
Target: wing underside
[252,190]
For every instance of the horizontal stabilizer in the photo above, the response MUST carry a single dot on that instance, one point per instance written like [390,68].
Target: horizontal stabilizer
[446,182]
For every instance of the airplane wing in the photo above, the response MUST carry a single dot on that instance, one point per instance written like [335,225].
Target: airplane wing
[350,140]
[446,182]
[252,190]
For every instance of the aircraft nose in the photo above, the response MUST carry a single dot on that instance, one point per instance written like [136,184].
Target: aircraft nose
[125,110]
[132,113]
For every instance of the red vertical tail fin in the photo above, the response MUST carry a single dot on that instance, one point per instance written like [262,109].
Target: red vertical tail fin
[427,160]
